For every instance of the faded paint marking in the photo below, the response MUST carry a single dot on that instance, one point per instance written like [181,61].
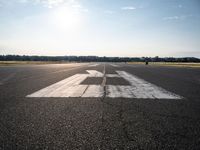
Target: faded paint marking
[138,88]
[114,65]
[93,65]
[143,89]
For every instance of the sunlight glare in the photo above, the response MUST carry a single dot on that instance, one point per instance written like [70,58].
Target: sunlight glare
[66,18]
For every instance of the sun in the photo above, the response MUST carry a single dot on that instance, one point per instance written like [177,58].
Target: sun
[66,18]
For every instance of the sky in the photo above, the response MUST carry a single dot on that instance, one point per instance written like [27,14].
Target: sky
[125,28]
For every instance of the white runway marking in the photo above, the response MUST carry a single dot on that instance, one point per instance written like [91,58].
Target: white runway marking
[114,65]
[72,87]
[142,89]
[94,73]
[112,75]
[94,91]
[93,65]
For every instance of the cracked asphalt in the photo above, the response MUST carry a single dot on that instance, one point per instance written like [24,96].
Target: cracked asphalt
[98,123]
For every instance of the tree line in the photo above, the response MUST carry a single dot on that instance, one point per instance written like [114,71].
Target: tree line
[96,58]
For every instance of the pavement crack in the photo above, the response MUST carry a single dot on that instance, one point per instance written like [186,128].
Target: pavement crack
[103,84]
[85,90]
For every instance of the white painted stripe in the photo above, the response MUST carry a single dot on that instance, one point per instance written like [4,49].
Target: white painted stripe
[93,65]
[53,87]
[119,91]
[138,88]
[114,65]
[94,91]
[57,88]
[94,73]
[69,88]
[143,89]
[73,91]
[112,75]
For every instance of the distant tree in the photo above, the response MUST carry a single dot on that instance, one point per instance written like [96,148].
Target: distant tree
[95,59]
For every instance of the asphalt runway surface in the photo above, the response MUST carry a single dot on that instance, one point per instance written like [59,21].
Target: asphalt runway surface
[99,106]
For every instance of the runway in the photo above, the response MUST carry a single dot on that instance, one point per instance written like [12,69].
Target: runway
[99,106]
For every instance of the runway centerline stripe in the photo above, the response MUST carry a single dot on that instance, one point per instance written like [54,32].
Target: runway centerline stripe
[72,87]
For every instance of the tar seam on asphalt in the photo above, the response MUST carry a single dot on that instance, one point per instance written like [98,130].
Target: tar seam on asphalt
[124,130]
[84,91]
[103,84]
[102,100]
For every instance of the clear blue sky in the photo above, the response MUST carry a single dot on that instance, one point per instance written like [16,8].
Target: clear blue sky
[100,27]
